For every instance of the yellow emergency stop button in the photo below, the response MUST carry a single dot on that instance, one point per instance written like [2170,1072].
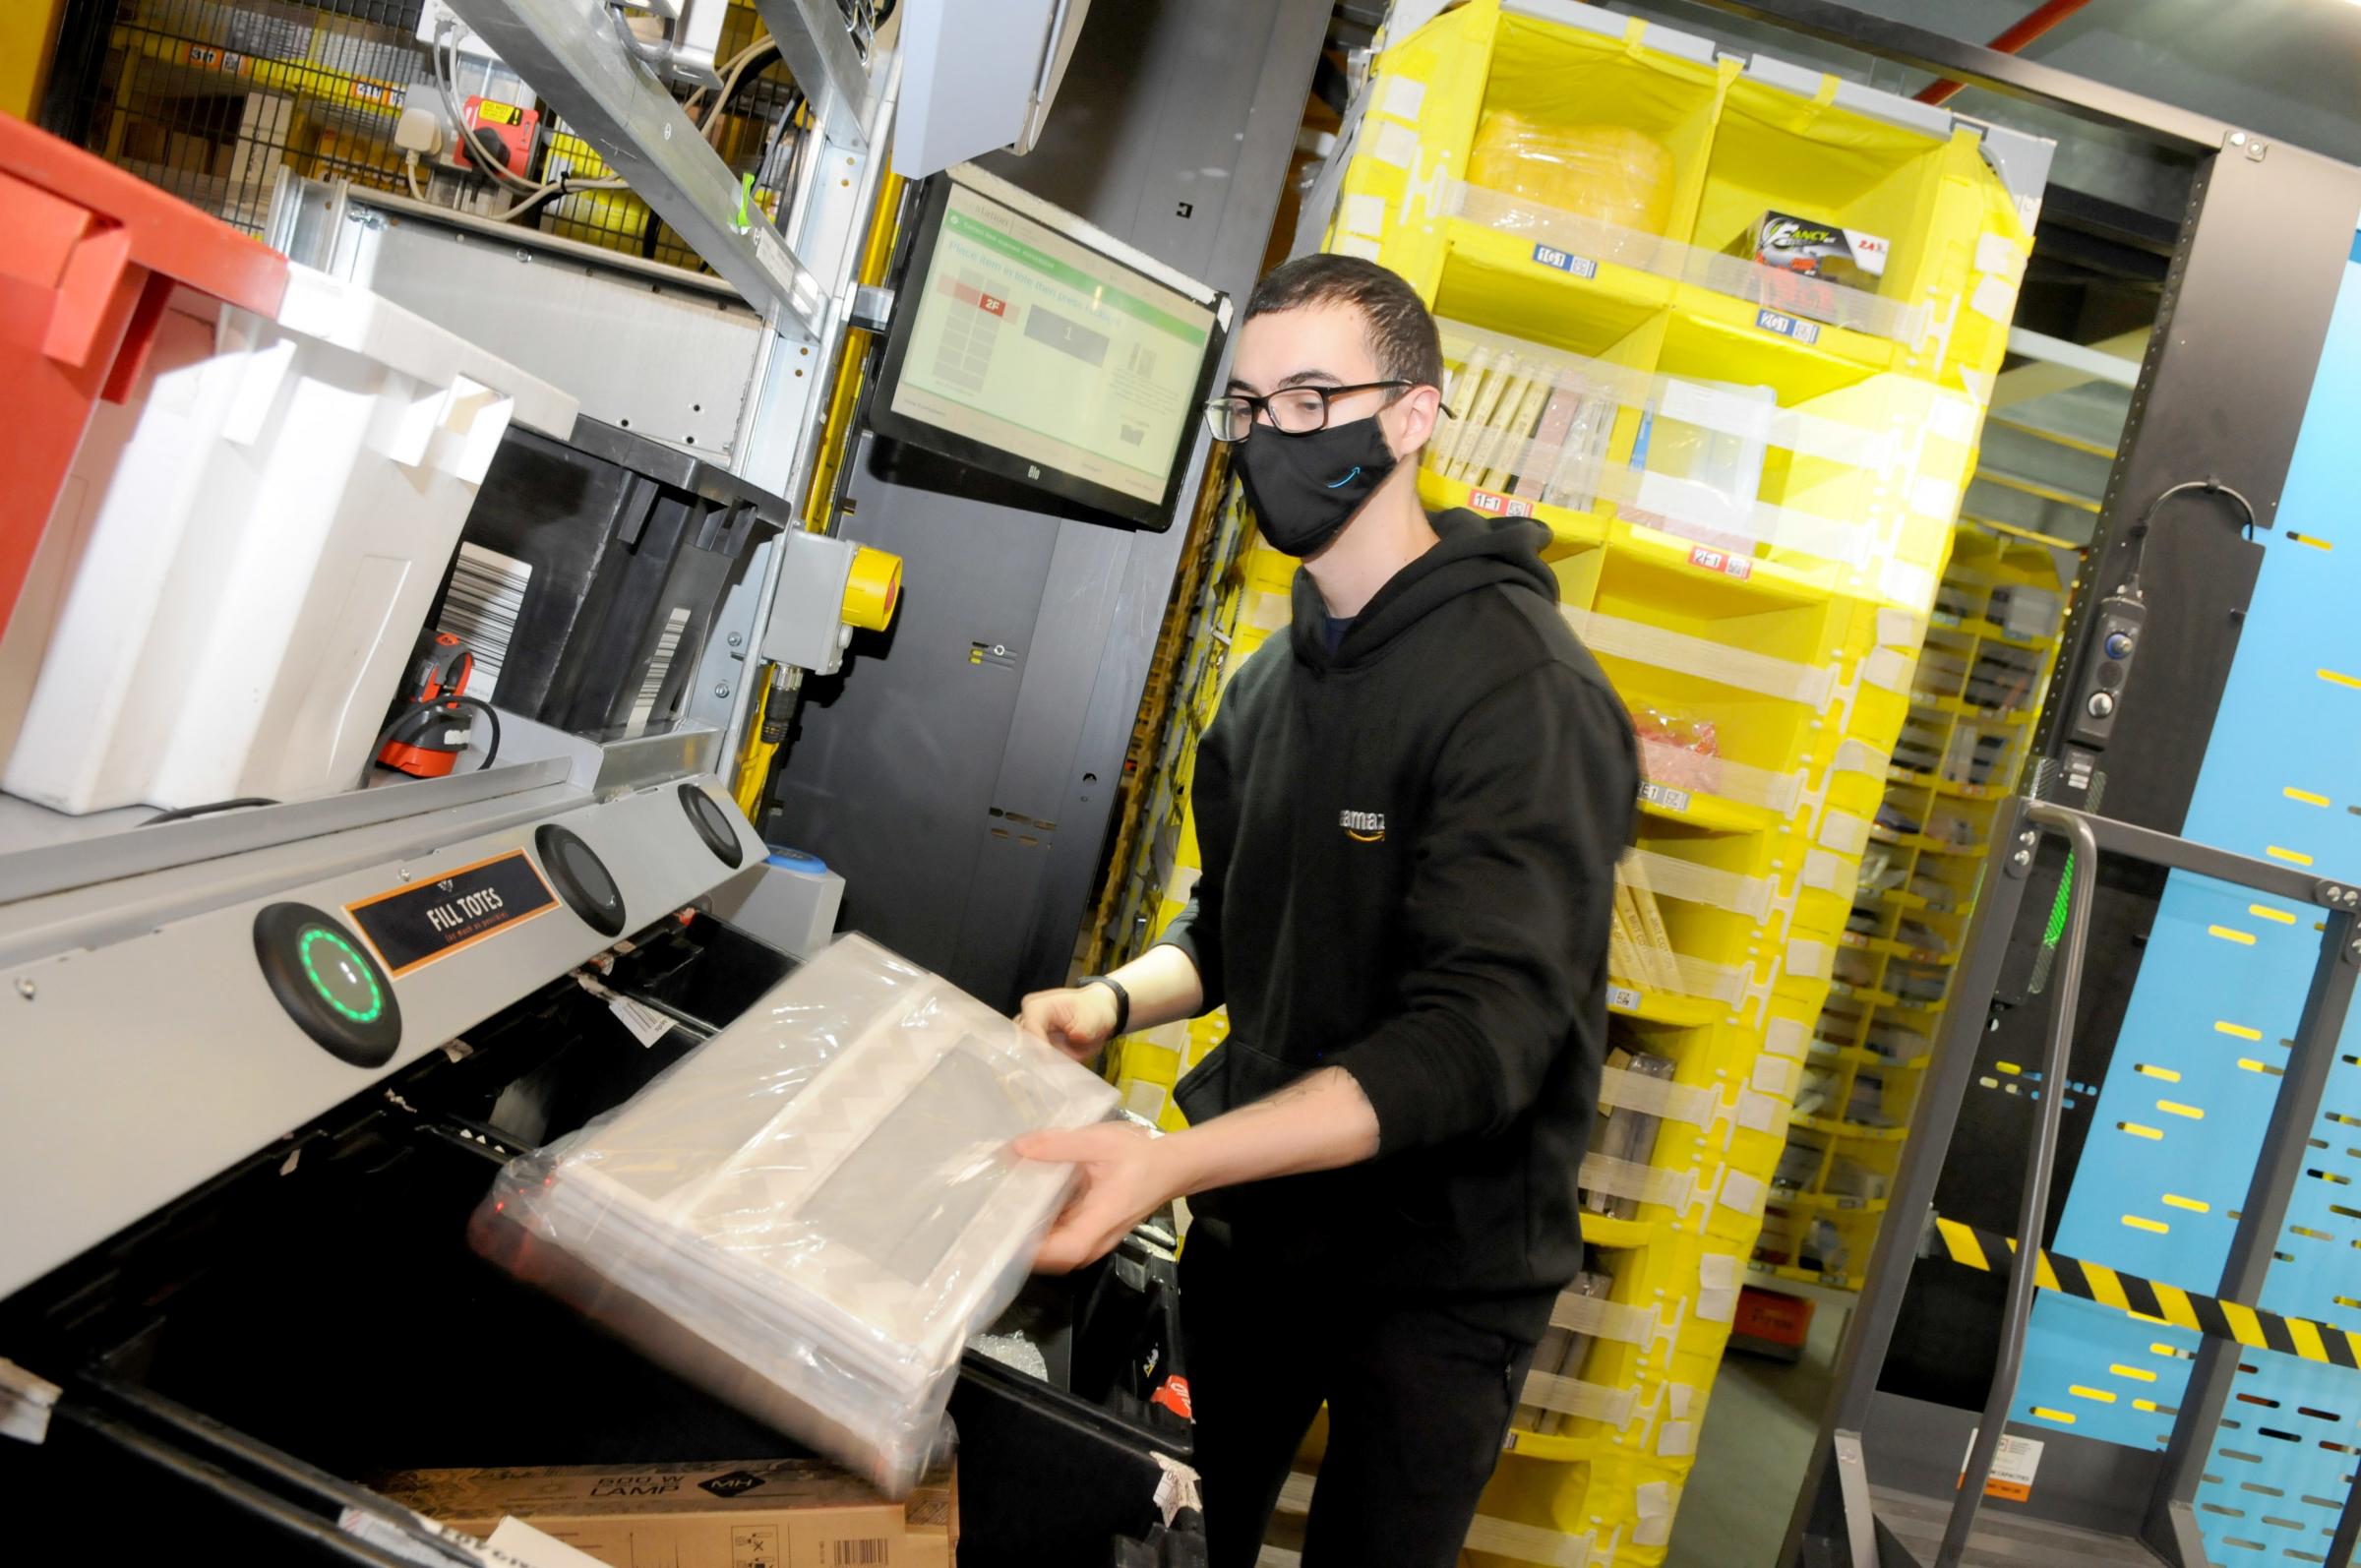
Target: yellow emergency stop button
[873,589]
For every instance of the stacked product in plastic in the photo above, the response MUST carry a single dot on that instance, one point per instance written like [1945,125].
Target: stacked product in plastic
[811,1213]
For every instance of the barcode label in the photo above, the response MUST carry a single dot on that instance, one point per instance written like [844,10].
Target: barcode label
[659,667]
[487,595]
[874,1552]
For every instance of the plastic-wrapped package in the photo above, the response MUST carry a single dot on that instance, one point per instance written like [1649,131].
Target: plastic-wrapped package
[1678,751]
[1697,482]
[1610,173]
[808,1214]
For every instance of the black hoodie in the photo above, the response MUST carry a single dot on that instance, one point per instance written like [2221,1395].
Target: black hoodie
[1409,861]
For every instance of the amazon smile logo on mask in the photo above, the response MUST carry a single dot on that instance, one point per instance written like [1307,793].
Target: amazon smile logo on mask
[1365,827]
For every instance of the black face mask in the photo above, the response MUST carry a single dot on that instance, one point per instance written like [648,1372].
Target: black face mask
[1306,488]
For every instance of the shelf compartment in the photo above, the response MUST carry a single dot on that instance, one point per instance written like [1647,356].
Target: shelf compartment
[1778,148]
[1552,75]
[1571,531]
[1703,659]
[1507,284]
[1670,877]
[1736,289]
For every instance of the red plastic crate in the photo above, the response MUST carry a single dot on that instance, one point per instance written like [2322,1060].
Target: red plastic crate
[91,255]
[1771,1324]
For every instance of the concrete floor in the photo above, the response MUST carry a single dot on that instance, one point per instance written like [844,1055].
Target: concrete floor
[1758,1434]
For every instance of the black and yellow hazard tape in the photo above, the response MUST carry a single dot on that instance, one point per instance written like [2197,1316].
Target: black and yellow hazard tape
[2156,1301]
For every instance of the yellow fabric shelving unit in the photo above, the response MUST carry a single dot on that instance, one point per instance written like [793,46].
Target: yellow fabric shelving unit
[1767,632]
[1992,646]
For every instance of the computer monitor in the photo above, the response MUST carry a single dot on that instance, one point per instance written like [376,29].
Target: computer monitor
[1028,344]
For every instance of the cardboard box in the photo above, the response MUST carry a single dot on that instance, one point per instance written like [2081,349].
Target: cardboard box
[1813,249]
[767,1513]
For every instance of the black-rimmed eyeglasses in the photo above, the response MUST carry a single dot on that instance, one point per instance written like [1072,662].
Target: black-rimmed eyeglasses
[1292,410]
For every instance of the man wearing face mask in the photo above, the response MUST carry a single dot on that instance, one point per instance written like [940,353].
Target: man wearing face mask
[1410,816]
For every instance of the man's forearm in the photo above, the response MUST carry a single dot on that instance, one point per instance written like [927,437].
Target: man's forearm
[1164,987]
[1315,1124]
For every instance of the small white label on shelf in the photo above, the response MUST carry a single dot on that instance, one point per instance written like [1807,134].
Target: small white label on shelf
[1655,1505]
[1721,561]
[1581,267]
[1402,98]
[1717,1271]
[1360,245]
[1397,145]
[1624,997]
[1760,1112]
[1906,585]
[1994,254]
[2014,1467]
[1787,325]
[1900,629]
[1995,299]
[1775,1075]
[1362,214]
[1498,505]
[1678,1440]
[1786,1038]
[1741,1194]
[1933,495]
[1954,418]
[1666,796]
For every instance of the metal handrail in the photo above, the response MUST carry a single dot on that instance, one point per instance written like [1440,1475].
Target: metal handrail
[2032,1213]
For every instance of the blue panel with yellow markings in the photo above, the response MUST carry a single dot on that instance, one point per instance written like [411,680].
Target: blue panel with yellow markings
[2198,1060]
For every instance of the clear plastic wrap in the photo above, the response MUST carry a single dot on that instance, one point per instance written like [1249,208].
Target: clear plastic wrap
[811,1213]
[1608,172]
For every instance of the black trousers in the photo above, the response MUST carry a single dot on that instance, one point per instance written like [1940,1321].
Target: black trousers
[1419,1401]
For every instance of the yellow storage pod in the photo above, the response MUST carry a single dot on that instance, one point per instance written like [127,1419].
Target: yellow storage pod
[1751,475]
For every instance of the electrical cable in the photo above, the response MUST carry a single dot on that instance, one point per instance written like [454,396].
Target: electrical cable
[409,173]
[183,813]
[444,84]
[732,73]
[492,715]
[377,747]
[528,194]
[2140,529]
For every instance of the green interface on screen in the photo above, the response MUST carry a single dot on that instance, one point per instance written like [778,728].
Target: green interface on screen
[1031,342]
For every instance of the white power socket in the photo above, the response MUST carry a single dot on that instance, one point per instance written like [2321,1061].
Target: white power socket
[420,129]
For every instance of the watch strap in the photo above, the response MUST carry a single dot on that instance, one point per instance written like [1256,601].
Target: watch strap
[1122,1001]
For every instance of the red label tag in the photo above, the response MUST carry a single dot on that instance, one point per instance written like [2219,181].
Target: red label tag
[1498,505]
[1721,561]
[1173,1396]
[991,306]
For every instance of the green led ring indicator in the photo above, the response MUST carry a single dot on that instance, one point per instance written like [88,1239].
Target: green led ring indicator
[350,967]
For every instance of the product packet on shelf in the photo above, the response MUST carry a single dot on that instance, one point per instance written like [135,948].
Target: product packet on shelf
[810,1213]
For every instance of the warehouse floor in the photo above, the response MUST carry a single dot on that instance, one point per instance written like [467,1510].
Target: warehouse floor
[1758,1435]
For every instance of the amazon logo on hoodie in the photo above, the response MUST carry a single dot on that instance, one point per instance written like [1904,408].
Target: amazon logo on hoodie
[1365,827]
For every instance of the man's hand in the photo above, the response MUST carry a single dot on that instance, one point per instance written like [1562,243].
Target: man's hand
[1076,1020]
[1126,1178]
[1318,1122]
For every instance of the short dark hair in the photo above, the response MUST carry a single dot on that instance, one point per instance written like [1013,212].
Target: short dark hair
[1401,331]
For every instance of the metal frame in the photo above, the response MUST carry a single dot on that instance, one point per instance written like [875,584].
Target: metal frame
[566,50]
[1831,1514]
[822,57]
[1923,50]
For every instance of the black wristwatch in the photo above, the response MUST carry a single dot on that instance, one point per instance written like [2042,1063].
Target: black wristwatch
[1122,1001]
